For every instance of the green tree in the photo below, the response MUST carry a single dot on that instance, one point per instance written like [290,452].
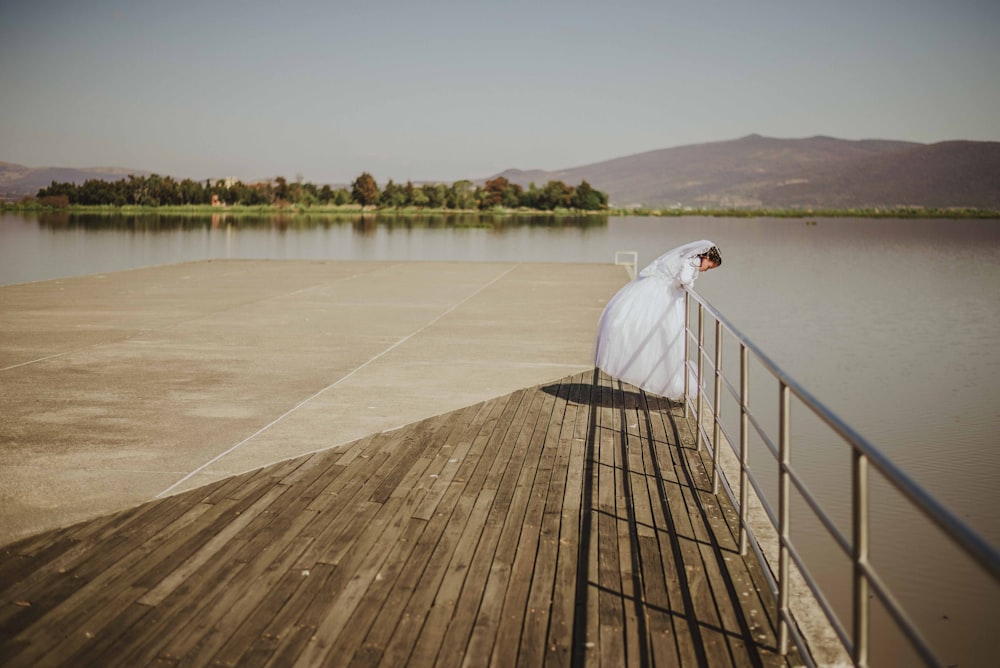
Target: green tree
[493,192]
[556,195]
[191,192]
[409,194]
[392,195]
[137,190]
[530,198]
[341,196]
[364,190]
[588,199]
[461,195]
[416,196]
[281,192]
[437,195]
[512,196]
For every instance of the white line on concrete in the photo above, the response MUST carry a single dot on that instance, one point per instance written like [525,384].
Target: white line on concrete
[330,386]
[40,359]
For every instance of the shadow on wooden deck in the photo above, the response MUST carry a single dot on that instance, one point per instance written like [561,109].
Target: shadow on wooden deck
[566,524]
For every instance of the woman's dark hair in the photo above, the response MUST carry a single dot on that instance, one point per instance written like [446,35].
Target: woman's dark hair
[713,254]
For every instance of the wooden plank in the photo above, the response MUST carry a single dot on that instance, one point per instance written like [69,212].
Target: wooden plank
[659,642]
[209,549]
[412,570]
[24,560]
[243,608]
[358,571]
[257,566]
[572,545]
[635,626]
[454,549]
[451,458]
[663,645]
[351,451]
[474,554]
[407,450]
[664,488]
[188,590]
[256,594]
[512,501]
[300,620]
[379,535]
[252,644]
[504,526]
[415,581]
[610,608]
[346,498]
[172,552]
[704,620]
[664,603]
[553,469]
[523,536]
[748,604]
[244,594]
[236,487]
[98,574]
[292,626]
[127,532]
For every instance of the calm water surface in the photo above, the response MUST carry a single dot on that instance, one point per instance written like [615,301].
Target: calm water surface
[891,323]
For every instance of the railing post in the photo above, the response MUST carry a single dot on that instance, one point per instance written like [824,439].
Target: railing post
[860,557]
[784,515]
[700,380]
[744,445]
[717,403]
[687,350]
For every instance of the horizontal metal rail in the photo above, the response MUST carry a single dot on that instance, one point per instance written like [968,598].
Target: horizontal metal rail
[704,364]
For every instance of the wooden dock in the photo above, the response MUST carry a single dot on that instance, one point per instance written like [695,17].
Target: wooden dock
[565,524]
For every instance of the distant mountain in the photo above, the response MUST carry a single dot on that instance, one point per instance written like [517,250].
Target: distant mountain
[757,171]
[17,181]
[753,171]
[946,174]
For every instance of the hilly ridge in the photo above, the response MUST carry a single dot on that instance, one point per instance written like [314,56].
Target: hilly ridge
[749,172]
[17,181]
[756,171]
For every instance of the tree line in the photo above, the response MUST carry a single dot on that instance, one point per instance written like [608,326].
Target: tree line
[155,190]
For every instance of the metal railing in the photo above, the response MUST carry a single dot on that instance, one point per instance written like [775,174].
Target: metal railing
[705,368]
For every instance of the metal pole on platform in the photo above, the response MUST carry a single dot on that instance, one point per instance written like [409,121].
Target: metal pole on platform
[700,380]
[784,515]
[717,403]
[744,445]
[687,350]
[860,556]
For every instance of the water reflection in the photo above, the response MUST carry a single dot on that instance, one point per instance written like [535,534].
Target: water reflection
[364,223]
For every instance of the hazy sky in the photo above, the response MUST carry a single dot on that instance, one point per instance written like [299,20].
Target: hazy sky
[448,89]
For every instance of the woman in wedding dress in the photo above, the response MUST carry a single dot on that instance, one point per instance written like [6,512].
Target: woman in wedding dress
[640,338]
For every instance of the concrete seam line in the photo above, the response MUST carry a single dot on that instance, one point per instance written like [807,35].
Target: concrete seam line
[41,359]
[331,385]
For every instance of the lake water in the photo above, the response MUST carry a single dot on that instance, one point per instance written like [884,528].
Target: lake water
[892,323]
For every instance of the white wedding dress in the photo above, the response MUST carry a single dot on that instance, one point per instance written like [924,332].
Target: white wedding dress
[640,338]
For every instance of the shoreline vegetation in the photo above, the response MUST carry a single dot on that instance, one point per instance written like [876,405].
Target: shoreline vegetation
[165,196]
[355,210]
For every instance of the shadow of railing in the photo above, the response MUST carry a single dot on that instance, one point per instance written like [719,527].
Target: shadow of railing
[611,409]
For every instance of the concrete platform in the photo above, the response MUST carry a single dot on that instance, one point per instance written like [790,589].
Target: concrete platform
[120,388]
